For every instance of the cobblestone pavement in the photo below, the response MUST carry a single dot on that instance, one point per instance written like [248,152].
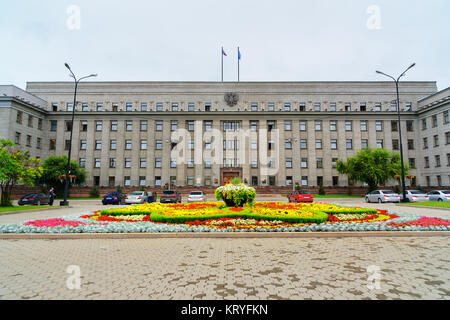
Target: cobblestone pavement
[188,268]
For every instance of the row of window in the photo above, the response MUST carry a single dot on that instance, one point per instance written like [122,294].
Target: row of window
[233,125]
[434,120]
[18,138]
[30,120]
[435,140]
[437,161]
[254,106]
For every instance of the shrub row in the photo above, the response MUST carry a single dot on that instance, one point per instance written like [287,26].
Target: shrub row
[319,217]
[351,211]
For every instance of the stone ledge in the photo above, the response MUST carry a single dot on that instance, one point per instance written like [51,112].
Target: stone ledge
[248,235]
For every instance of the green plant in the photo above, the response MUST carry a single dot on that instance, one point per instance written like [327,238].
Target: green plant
[141,188]
[119,188]
[321,190]
[236,180]
[235,195]
[94,192]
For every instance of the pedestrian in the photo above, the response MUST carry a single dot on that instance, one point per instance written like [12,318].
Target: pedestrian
[52,196]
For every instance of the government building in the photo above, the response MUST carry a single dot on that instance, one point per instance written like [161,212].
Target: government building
[205,133]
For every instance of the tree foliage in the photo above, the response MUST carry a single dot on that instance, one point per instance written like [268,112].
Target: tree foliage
[16,166]
[55,168]
[372,166]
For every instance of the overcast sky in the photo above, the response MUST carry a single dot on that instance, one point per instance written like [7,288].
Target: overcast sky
[168,40]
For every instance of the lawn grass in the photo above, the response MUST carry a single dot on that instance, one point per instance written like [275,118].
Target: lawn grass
[437,204]
[22,208]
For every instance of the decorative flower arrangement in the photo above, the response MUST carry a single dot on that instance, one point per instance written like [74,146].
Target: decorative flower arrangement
[235,195]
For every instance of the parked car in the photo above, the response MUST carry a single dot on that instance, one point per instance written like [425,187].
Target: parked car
[439,195]
[136,197]
[34,199]
[382,196]
[300,196]
[414,196]
[153,197]
[113,198]
[195,196]
[172,196]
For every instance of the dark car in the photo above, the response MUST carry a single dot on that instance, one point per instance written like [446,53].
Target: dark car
[34,199]
[300,196]
[172,196]
[113,198]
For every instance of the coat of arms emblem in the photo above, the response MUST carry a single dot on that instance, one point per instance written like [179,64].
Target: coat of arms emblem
[231,98]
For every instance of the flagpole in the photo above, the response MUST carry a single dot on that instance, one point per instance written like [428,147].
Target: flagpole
[221,54]
[238,64]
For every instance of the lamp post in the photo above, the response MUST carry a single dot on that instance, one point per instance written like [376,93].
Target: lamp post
[172,145]
[66,187]
[399,126]
[292,140]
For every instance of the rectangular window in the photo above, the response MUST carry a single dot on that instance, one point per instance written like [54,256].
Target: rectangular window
[112,162]
[129,125]
[191,144]
[53,125]
[333,125]
[287,125]
[434,121]
[412,163]
[424,123]
[409,125]
[395,144]
[113,144]
[334,162]
[254,106]
[393,106]
[208,107]
[349,144]
[447,137]
[427,162]
[333,144]
[82,144]
[114,125]
[378,125]
[436,140]
[52,144]
[318,143]
[317,106]
[38,143]
[28,141]
[304,163]
[127,181]
[157,181]
[332,106]
[143,162]
[254,145]
[304,180]
[158,144]
[270,125]
[394,126]
[174,106]
[362,107]
[408,106]
[208,164]
[99,106]
[82,162]
[54,107]
[288,144]
[364,143]
[208,125]
[98,125]
[348,106]
[97,163]
[115,107]
[302,107]
[143,125]
[302,125]
[287,106]
[68,125]
[348,125]
[319,163]
[363,125]
[98,144]
[190,125]
[127,162]
[335,181]
[30,121]
[190,180]
[143,106]
[66,144]
[190,163]
[380,143]
[289,180]
[425,143]
[288,162]
[159,125]
[303,144]
[128,144]
[191,106]
[129,106]
[84,107]
[446,117]
[318,125]
[377,106]
[437,159]
[142,181]
[253,125]
[143,144]
[69,107]
[159,106]
[83,125]
[410,144]
[270,106]
[39,124]
[173,162]
[254,163]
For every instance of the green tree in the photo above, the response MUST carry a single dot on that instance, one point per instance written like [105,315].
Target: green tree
[16,166]
[55,169]
[372,166]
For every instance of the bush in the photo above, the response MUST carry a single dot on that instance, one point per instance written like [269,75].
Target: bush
[321,190]
[119,188]
[94,192]
[235,195]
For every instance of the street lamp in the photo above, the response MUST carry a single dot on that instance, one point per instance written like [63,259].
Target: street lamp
[173,144]
[66,187]
[292,140]
[399,126]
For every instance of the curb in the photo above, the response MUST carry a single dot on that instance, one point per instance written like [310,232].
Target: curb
[32,210]
[428,207]
[219,235]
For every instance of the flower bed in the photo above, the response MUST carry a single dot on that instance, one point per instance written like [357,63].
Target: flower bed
[216,217]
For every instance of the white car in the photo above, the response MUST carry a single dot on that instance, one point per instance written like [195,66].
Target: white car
[439,195]
[382,196]
[415,196]
[136,197]
[196,196]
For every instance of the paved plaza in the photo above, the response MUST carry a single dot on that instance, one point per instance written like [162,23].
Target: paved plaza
[208,268]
